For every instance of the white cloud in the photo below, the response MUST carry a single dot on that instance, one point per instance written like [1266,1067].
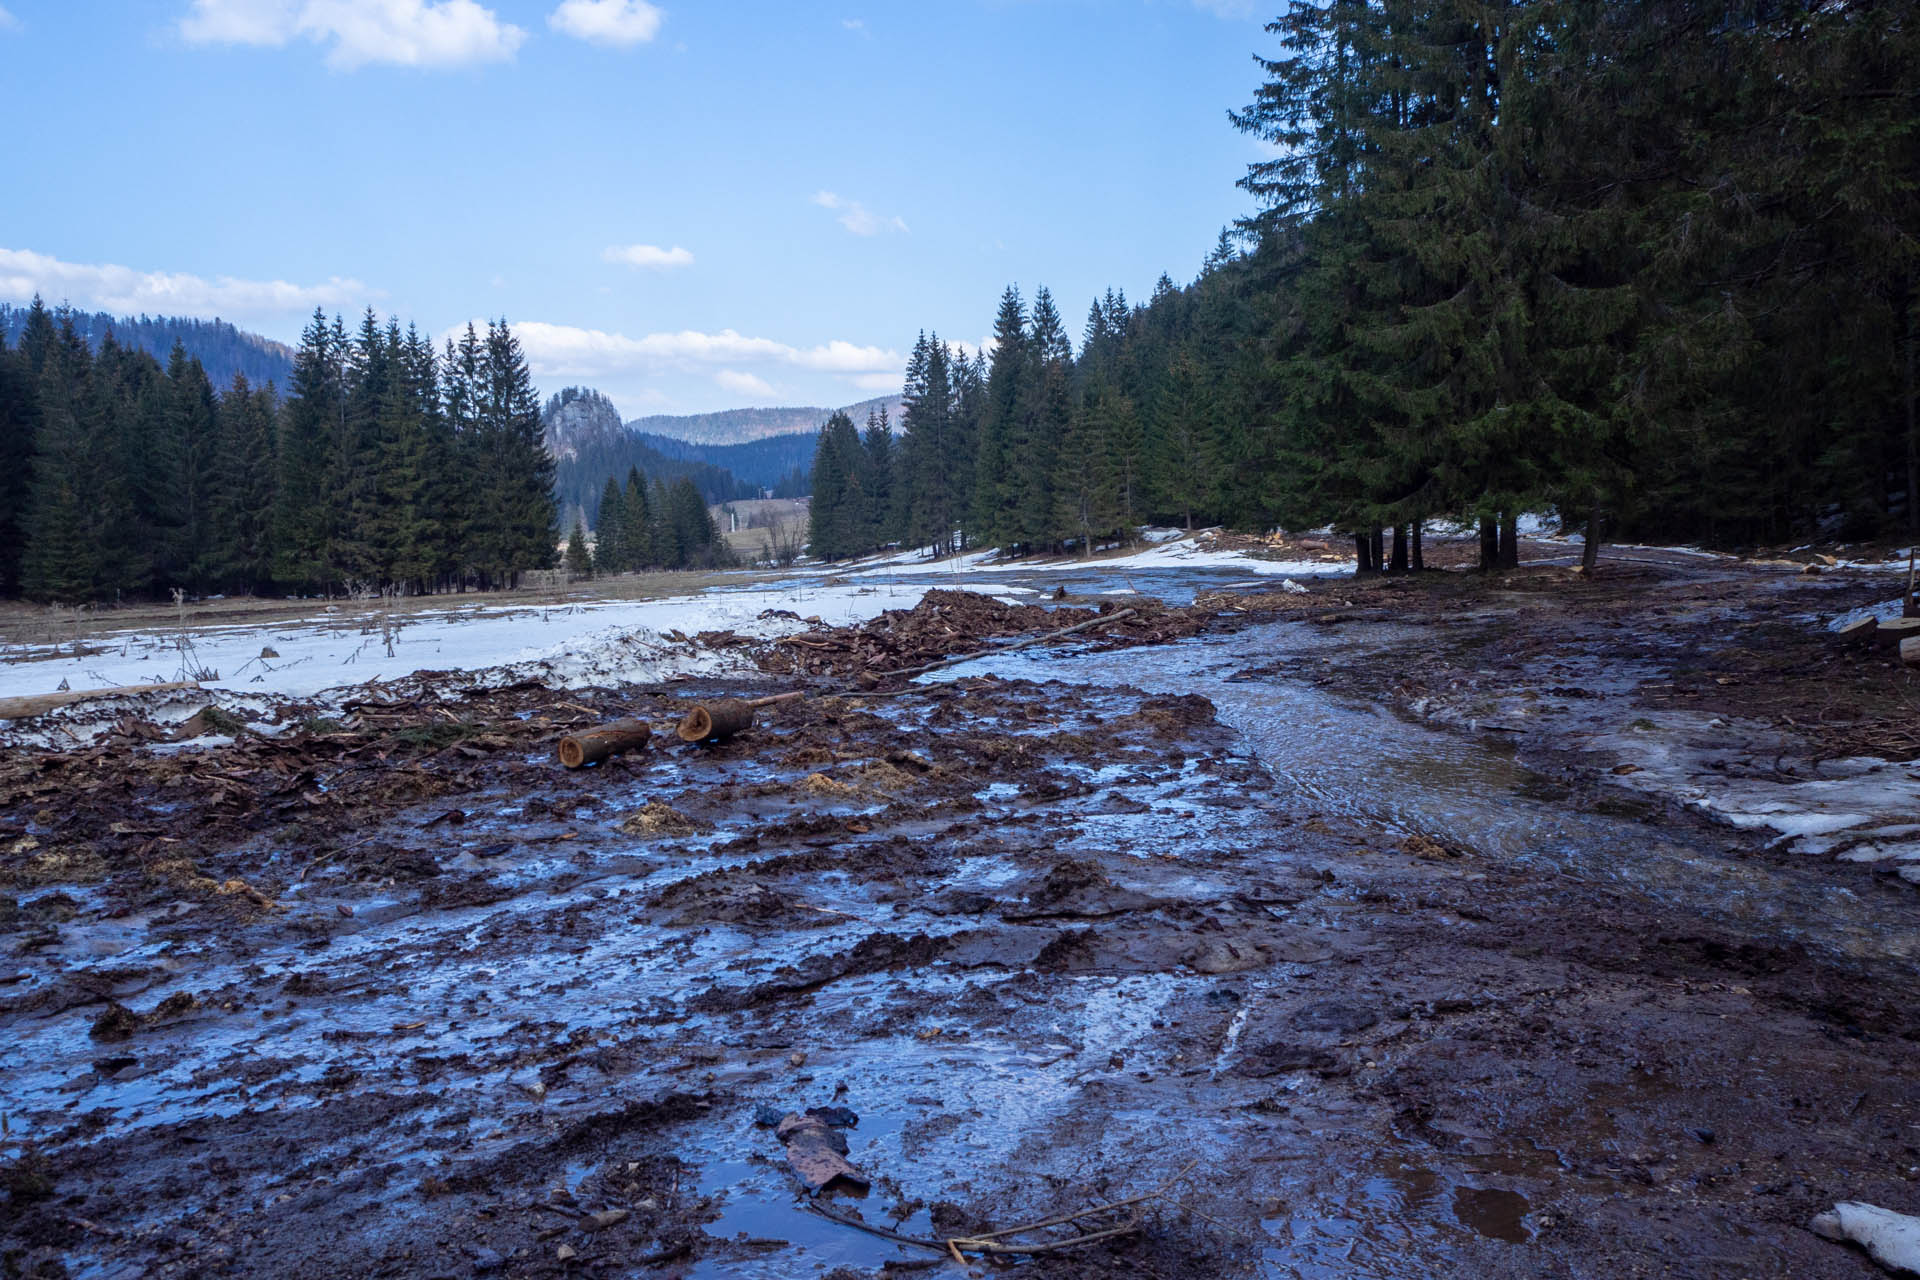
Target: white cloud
[1227,8]
[856,217]
[123,290]
[622,23]
[854,24]
[648,255]
[565,351]
[411,33]
[881,382]
[7,21]
[743,384]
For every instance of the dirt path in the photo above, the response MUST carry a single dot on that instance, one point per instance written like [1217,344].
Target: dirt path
[399,997]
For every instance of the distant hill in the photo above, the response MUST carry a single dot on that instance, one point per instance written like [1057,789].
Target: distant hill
[222,349]
[740,426]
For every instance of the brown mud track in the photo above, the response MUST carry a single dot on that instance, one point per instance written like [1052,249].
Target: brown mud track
[398,996]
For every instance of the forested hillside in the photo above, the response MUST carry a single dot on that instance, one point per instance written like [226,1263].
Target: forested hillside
[382,465]
[1655,267]
[761,464]
[221,349]
[592,446]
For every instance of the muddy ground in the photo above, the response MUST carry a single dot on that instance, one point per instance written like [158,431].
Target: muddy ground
[395,995]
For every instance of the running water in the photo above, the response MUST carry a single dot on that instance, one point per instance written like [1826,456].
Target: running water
[1357,760]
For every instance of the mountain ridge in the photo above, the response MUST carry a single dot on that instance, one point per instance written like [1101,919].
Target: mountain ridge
[745,426]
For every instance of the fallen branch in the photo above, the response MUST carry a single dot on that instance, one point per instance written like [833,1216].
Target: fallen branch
[994,1242]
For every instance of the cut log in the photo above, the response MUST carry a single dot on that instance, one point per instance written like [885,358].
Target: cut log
[1860,631]
[591,746]
[1892,631]
[39,704]
[714,721]
[1910,651]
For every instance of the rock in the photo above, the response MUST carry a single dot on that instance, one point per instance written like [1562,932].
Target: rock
[606,1218]
[1890,1239]
[270,652]
[767,1117]
[817,1152]
[839,1117]
[566,1253]
[1331,1015]
[1226,956]
[487,1260]
[796,1059]
[1272,1059]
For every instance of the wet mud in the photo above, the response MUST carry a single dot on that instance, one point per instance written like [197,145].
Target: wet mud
[397,995]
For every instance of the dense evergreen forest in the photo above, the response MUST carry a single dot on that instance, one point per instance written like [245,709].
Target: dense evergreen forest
[1655,267]
[221,349]
[383,467]
[651,524]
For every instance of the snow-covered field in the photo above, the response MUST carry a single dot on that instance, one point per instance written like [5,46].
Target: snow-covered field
[587,642]
[1165,549]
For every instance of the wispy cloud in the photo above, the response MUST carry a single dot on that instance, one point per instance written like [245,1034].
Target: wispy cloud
[621,23]
[856,217]
[123,290]
[1227,8]
[881,382]
[856,24]
[741,383]
[7,21]
[573,352]
[649,256]
[410,33]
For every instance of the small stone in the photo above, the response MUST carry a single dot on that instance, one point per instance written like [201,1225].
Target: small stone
[566,1253]
[608,1218]
[796,1059]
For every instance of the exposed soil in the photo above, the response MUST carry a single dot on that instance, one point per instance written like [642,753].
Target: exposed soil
[396,995]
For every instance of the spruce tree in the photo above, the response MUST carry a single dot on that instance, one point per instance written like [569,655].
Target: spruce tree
[302,518]
[19,423]
[639,523]
[610,530]
[579,564]
[61,561]
[1010,397]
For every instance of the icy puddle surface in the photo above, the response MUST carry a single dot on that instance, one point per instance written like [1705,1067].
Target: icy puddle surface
[1361,761]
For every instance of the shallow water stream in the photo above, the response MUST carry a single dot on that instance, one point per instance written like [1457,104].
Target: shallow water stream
[1362,761]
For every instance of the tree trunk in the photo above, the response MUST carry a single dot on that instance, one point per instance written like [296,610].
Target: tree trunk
[1379,552]
[1913,428]
[1510,540]
[1399,564]
[1419,559]
[1362,554]
[1489,544]
[1590,553]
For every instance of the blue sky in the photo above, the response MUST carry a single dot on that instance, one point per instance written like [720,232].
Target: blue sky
[691,207]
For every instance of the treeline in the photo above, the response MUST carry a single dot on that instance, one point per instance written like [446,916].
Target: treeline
[385,466]
[650,525]
[221,349]
[1655,267]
